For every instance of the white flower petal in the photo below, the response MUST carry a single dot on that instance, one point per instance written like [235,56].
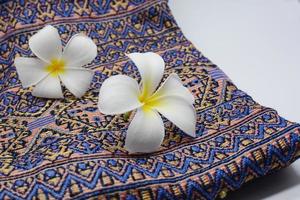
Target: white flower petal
[174,87]
[151,67]
[145,132]
[179,112]
[79,51]
[46,44]
[77,80]
[118,94]
[30,70]
[49,87]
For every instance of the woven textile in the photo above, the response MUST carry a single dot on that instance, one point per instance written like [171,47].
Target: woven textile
[66,149]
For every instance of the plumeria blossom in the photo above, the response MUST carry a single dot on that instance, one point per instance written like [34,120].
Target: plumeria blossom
[53,66]
[121,94]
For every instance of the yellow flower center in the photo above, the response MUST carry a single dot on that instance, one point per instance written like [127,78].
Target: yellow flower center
[148,100]
[149,104]
[143,96]
[57,66]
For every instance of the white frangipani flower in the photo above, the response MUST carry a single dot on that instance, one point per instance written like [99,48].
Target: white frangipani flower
[120,94]
[52,65]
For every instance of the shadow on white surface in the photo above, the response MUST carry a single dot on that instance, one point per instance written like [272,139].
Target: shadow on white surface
[257,44]
[271,187]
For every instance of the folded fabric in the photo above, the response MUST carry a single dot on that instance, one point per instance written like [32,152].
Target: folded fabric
[67,149]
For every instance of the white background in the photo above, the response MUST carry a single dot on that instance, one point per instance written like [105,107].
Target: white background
[257,44]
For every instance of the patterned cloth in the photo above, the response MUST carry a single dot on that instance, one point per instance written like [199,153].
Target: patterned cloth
[66,149]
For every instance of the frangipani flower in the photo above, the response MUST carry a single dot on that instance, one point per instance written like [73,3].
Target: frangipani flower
[53,65]
[121,94]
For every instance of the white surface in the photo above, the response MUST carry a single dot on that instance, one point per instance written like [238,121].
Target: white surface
[257,44]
